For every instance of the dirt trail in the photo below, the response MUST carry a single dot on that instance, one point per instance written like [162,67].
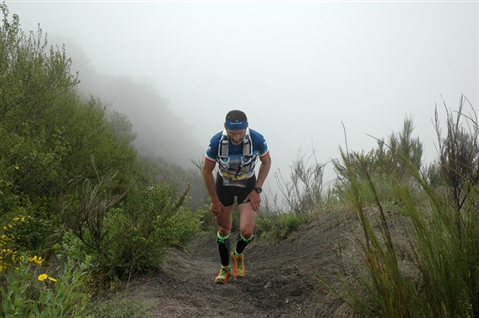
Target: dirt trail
[279,280]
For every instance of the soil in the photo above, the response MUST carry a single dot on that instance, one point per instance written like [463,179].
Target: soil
[281,279]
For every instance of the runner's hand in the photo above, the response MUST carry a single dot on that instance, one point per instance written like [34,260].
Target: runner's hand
[217,208]
[255,199]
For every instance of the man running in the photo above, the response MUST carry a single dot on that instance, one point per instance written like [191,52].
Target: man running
[236,150]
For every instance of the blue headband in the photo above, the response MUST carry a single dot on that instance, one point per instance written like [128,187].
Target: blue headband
[237,125]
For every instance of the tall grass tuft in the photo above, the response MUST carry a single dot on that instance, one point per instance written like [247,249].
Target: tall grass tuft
[305,192]
[384,285]
[442,225]
[447,233]
[303,196]
[446,254]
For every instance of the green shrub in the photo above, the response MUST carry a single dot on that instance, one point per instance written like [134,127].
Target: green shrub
[280,226]
[182,227]
[207,219]
[29,292]
[22,233]
[132,236]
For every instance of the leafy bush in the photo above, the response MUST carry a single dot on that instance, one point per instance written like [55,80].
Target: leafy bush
[54,149]
[133,236]
[25,293]
[207,219]
[280,226]
[182,227]
[50,136]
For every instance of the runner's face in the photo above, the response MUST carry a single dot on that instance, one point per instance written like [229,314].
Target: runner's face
[236,136]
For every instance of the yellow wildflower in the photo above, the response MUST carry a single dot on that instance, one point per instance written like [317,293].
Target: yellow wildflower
[52,279]
[16,168]
[16,219]
[42,277]
[36,260]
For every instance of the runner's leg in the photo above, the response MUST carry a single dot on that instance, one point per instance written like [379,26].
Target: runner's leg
[224,221]
[247,223]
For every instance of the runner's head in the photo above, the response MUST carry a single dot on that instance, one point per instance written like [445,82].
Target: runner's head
[236,123]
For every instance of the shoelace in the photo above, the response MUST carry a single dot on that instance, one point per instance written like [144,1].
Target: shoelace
[240,262]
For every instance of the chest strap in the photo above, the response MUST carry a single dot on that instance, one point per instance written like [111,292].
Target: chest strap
[246,160]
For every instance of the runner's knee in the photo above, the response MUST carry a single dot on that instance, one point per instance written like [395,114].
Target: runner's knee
[224,231]
[246,235]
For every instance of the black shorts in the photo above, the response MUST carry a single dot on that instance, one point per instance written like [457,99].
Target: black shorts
[227,194]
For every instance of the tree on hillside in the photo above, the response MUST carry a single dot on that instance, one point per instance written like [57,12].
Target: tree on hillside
[68,170]
[50,135]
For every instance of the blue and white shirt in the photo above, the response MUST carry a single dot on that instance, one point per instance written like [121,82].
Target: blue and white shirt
[235,154]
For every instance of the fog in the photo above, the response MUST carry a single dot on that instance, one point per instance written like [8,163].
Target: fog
[300,70]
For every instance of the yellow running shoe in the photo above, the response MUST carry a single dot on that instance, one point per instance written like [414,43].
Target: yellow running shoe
[238,265]
[224,275]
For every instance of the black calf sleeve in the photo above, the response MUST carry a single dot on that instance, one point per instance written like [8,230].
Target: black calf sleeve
[242,243]
[224,249]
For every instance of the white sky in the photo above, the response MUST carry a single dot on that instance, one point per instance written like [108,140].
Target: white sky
[298,69]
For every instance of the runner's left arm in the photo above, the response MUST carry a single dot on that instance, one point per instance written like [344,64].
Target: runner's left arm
[254,197]
[263,170]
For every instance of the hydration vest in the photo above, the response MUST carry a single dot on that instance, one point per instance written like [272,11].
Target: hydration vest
[247,160]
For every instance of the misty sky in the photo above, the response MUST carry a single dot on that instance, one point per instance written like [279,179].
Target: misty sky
[300,70]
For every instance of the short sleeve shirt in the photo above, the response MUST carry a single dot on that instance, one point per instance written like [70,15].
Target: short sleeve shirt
[235,152]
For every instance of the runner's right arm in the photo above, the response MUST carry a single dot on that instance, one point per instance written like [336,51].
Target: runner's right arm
[207,171]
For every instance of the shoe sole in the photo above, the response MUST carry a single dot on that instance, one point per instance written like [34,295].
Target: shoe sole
[222,281]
